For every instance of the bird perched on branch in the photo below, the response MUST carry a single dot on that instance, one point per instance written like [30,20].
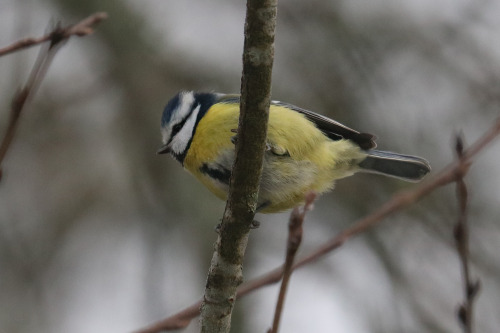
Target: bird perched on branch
[305,151]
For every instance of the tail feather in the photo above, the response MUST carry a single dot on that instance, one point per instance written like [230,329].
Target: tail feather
[405,167]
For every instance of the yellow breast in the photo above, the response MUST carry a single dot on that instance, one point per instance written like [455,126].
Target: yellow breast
[212,137]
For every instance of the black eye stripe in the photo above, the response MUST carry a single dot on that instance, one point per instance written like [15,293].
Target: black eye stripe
[177,127]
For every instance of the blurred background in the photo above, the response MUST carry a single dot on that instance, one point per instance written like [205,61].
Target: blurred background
[99,234]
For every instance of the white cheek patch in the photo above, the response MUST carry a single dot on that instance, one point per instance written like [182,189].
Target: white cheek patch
[165,134]
[185,104]
[181,139]
[187,100]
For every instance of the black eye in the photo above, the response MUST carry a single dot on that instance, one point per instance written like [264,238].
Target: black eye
[176,128]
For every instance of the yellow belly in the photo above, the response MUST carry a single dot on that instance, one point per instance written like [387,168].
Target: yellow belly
[301,158]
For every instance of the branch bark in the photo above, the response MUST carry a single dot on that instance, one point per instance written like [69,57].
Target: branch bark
[225,273]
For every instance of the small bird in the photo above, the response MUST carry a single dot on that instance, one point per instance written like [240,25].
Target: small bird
[305,151]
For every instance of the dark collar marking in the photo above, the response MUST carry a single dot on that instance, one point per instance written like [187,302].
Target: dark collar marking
[217,172]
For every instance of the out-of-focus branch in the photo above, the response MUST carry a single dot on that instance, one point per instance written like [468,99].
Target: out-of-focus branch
[399,201]
[57,38]
[82,28]
[461,233]
[226,269]
[294,239]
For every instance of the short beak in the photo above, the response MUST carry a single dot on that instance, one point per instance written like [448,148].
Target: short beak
[165,149]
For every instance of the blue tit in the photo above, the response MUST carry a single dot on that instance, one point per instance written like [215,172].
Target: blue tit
[305,151]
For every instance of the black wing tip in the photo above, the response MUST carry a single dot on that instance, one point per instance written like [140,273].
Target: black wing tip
[365,141]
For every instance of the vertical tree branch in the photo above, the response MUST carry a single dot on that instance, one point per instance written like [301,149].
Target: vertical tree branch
[225,273]
[461,233]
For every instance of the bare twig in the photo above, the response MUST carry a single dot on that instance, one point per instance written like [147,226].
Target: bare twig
[399,201]
[294,239]
[37,73]
[461,233]
[57,37]
[82,28]
[178,321]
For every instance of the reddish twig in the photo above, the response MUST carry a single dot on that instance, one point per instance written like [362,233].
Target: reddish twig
[399,201]
[294,239]
[82,28]
[57,37]
[461,234]
[178,321]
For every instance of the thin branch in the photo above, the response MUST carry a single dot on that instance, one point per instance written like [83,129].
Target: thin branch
[80,29]
[399,201]
[57,38]
[461,233]
[226,269]
[176,322]
[294,239]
